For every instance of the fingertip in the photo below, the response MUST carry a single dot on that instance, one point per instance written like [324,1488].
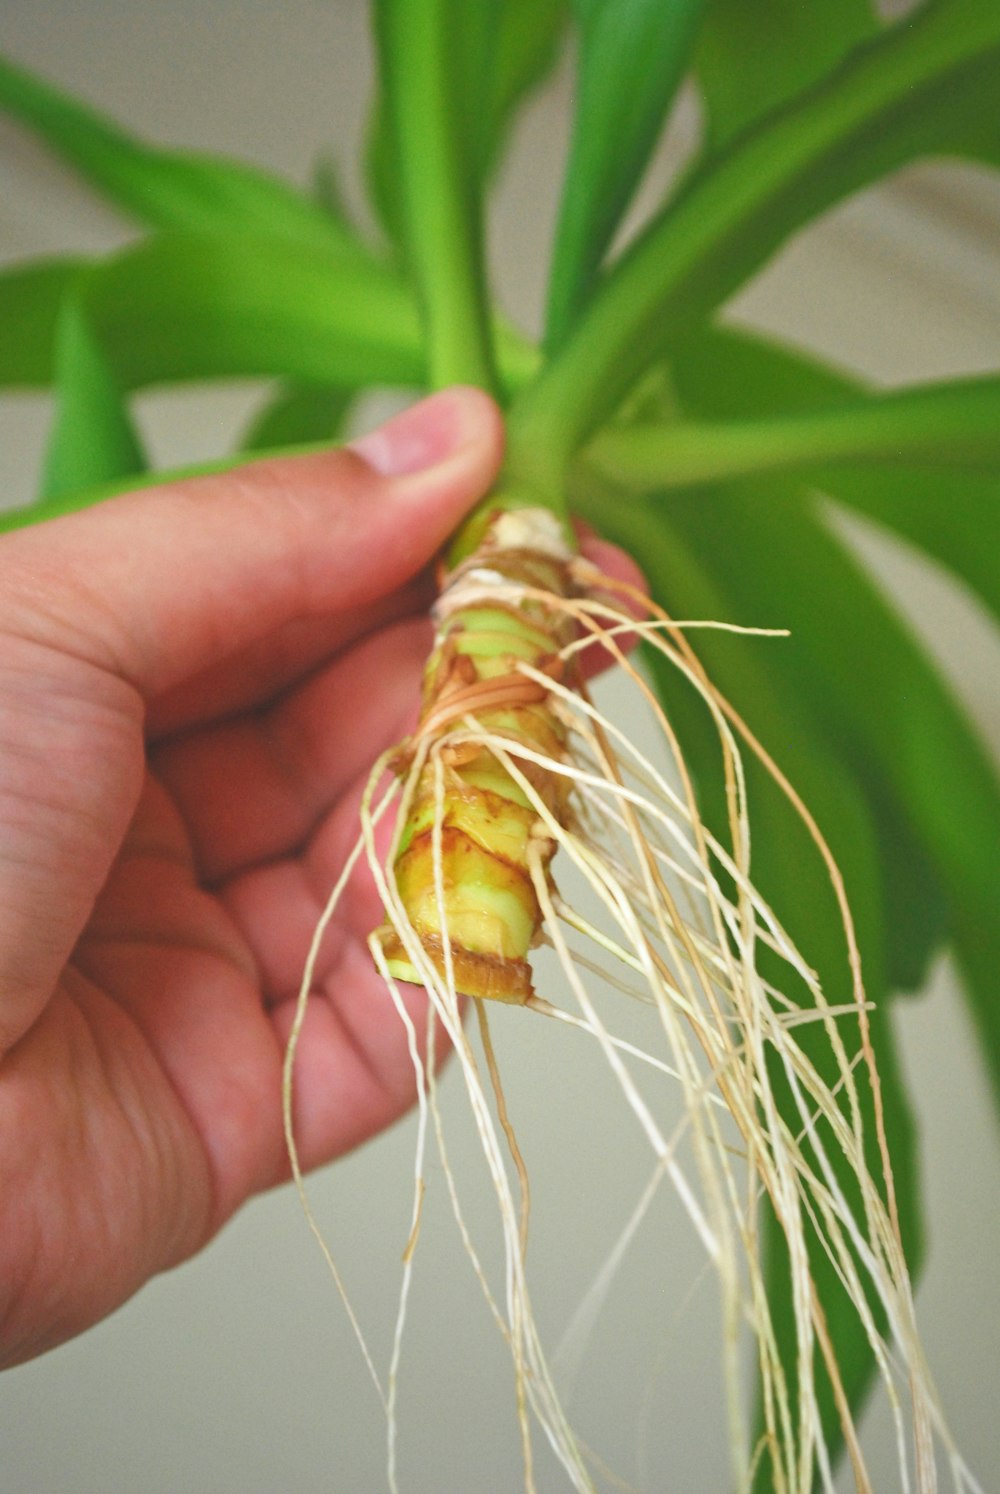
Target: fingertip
[458,421]
[619,566]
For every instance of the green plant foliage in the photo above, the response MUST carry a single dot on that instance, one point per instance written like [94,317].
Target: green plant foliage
[632,55]
[919,87]
[196,306]
[753,58]
[164,188]
[298,413]
[877,698]
[30,298]
[433,55]
[952,516]
[93,440]
[507,51]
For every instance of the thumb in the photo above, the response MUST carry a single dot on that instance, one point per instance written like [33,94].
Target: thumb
[158,585]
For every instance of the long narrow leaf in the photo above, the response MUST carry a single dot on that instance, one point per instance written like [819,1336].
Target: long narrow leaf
[516,47]
[93,440]
[918,88]
[632,55]
[296,414]
[423,48]
[954,517]
[753,58]
[164,188]
[198,306]
[879,698]
[30,299]
[955,425]
[190,306]
[791,876]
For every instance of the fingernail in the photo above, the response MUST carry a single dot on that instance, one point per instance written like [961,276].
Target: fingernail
[422,437]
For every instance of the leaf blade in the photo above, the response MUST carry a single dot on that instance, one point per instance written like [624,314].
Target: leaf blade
[93,440]
[296,414]
[953,517]
[527,35]
[956,424]
[752,60]
[426,51]
[168,189]
[880,699]
[632,55]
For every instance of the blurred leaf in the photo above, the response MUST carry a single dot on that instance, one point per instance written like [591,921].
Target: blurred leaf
[165,188]
[192,306]
[876,696]
[753,58]
[326,190]
[916,909]
[432,58]
[632,55]
[93,440]
[508,50]
[954,424]
[955,517]
[298,413]
[788,871]
[915,90]
[186,306]
[529,33]
[31,296]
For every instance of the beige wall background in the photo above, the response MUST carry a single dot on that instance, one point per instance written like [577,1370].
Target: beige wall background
[237,1372]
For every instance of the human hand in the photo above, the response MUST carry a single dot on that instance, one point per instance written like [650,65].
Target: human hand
[194,683]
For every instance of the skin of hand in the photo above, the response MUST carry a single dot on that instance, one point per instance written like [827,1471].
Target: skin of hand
[194,683]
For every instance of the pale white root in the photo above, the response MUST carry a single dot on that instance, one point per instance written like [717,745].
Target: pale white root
[677,929]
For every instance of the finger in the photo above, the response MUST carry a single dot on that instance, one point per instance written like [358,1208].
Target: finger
[252,788]
[159,586]
[253,676]
[625,583]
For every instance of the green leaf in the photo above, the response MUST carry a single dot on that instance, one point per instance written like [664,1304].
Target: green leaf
[632,55]
[916,909]
[955,517]
[516,47]
[164,188]
[790,874]
[326,190]
[431,54]
[186,306]
[191,306]
[955,424]
[31,296]
[917,89]
[296,414]
[879,700]
[753,58]
[528,37]
[93,440]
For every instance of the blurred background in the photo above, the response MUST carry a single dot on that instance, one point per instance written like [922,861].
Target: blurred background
[238,1372]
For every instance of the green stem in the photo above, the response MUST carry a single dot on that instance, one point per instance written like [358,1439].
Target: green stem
[954,424]
[916,88]
[421,62]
